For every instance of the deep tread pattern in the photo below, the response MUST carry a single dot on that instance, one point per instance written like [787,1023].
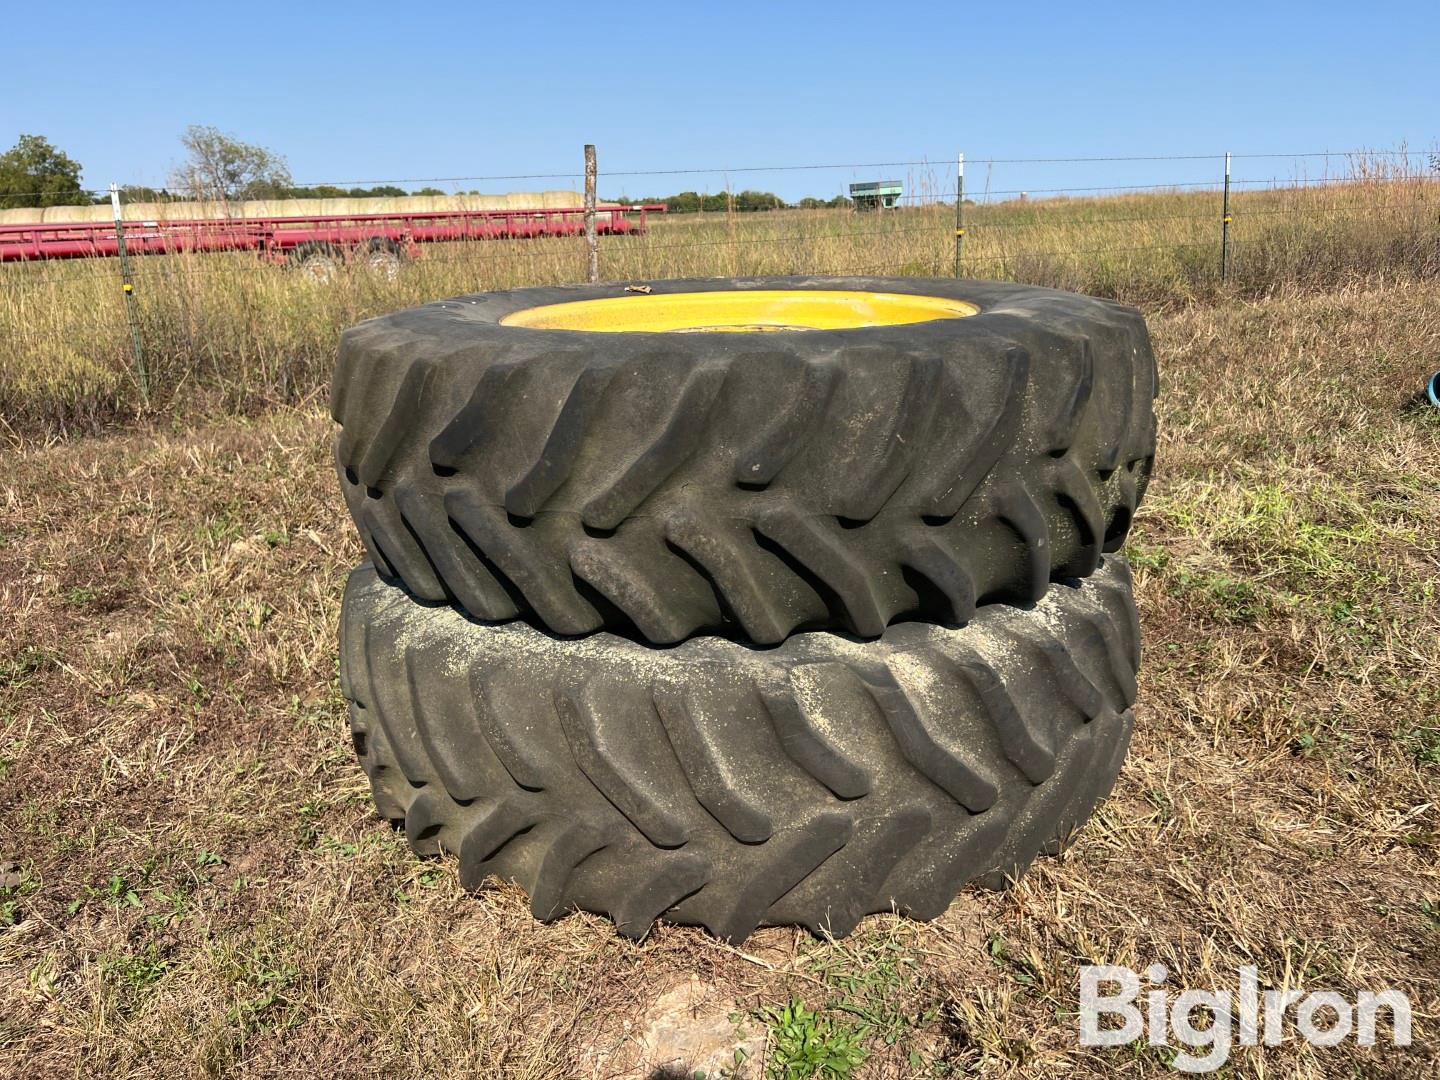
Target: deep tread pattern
[819,546]
[475,587]
[729,787]
[388,532]
[476,422]
[834,902]
[764,596]
[486,837]
[704,742]
[946,570]
[828,480]
[528,495]
[1017,508]
[1075,494]
[952,477]
[803,732]
[923,745]
[897,443]
[622,760]
[663,606]
[534,571]
[760,462]
[662,451]
[1060,435]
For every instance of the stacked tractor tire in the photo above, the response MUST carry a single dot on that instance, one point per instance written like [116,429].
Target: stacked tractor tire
[814,615]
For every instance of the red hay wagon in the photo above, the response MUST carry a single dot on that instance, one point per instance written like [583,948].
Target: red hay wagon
[302,240]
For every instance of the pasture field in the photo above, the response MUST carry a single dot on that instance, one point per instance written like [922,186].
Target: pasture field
[193,880]
[228,333]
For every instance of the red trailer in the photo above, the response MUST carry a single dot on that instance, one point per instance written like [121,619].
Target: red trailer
[316,243]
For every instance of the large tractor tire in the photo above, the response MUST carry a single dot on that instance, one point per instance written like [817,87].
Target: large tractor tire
[724,786]
[572,457]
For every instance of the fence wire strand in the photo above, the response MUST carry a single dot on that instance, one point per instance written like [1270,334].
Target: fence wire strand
[930,242]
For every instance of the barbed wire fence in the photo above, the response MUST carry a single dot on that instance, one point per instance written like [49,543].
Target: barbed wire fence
[936,196]
[1198,217]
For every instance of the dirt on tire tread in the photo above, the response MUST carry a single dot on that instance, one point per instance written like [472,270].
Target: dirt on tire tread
[728,787]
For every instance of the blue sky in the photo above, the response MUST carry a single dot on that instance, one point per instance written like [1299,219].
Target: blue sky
[409,92]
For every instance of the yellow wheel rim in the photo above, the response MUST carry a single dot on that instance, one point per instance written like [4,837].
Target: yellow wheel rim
[740,311]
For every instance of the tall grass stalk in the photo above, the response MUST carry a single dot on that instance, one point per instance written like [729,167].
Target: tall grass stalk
[228,333]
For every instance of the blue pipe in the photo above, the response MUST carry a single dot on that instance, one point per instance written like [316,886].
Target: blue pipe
[1433,389]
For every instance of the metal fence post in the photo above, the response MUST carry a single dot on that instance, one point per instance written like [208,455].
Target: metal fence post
[592,243]
[959,211]
[1225,225]
[142,377]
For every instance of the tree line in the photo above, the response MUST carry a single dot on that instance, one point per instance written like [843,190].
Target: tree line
[133,193]
[35,172]
[689,202]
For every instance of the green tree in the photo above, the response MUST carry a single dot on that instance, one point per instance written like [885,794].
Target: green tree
[133,193]
[34,172]
[330,191]
[758,200]
[220,166]
[323,191]
[686,202]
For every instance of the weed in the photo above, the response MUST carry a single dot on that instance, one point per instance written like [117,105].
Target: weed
[1423,742]
[30,660]
[267,1003]
[1430,909]
[1231,599]
[425,879]
[1146,556]
[307,828]
[117,892]
[174,904]
[807,1044]
[134,973]
[10,895]
[874,978]
[1023,970]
